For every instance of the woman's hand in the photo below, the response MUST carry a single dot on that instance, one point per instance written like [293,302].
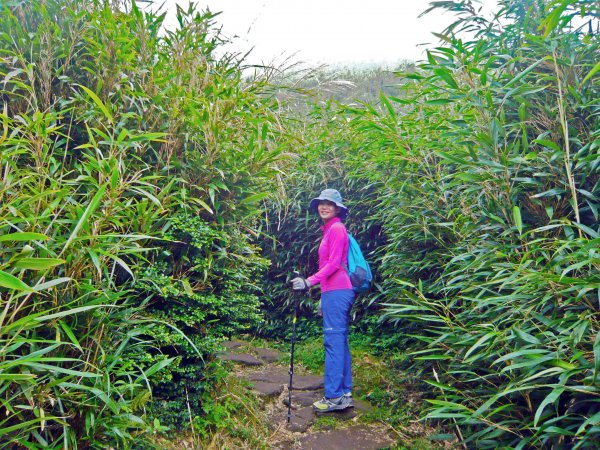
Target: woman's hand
[300,284]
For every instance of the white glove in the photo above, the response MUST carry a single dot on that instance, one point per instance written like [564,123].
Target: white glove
[300,284]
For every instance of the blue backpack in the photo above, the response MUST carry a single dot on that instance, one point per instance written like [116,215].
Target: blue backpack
[358,267]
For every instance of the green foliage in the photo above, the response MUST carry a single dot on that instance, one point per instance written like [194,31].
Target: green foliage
[137,168]
[483,174]
[200,289]
[133,167]
[486,170]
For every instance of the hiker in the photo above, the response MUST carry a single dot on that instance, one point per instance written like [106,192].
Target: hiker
[337,297]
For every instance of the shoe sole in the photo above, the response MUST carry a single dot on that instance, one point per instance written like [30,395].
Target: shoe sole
[333,408]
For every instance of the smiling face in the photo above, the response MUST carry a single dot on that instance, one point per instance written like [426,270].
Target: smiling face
[327,210]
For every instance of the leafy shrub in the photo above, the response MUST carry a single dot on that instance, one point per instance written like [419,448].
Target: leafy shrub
[201,288]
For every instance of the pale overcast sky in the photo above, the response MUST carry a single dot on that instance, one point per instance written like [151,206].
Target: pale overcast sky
[327,31]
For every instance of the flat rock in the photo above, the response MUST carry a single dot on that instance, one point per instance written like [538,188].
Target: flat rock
[271,374]
[281,375]
[301,420]
[241,358]
[303,398]
[343,414]
[233,343]
[267,389]
[307,382]
[355,438]
[268,355]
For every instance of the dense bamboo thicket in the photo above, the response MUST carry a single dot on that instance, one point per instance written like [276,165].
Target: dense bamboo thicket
[132,162]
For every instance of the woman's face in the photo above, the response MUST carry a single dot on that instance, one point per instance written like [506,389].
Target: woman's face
[327,210]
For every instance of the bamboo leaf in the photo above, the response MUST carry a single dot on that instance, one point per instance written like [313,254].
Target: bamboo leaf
[593,420]
[150,137]
[520,353]
[552,19]
[85,216]
[95,260]
[591,73]
[469,177]
[254,198]
[526,336]
[23,236]
[97,392]
[11,282]
[68,312]
[11,377]
[157,367]
[526,71]
[99,103]
[549,144]
[58,369]
[69,332]
[387,105]
[49,284]
[147,194]
[29,424]
[445,75]
[550,398]
[453,158]
[203,204]
[119,261]
[482,340]
[517,218]
[38,263]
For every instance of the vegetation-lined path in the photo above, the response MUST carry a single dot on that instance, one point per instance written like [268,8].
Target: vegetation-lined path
[270,379]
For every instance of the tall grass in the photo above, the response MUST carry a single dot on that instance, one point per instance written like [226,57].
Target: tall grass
[132,169]
[491,210]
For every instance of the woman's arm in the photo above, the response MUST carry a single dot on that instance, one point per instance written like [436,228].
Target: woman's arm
[337,242]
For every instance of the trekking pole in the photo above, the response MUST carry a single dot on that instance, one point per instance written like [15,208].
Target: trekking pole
[296,295]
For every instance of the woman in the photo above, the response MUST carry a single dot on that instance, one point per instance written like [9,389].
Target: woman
[337,297]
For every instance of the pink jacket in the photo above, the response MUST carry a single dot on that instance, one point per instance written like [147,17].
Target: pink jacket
[333,258]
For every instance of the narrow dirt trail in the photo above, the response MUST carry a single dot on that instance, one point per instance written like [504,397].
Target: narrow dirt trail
[269,379]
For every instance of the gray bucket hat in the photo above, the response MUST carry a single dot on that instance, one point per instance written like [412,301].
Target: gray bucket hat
[333,196]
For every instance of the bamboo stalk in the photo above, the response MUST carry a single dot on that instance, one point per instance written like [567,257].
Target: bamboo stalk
[565,129]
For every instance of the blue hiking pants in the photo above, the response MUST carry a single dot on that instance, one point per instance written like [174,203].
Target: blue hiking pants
[336,318]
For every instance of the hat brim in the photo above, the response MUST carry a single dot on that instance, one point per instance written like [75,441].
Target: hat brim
[315,202]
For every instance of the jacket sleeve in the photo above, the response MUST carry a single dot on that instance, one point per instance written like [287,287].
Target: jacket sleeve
[338,240]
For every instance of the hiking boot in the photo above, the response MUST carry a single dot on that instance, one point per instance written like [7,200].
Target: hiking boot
[349,401]
[331,404]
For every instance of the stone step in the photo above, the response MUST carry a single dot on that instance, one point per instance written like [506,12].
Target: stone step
[267,389]
[241,358]
[301,419]
[281,375]
[234,343]
[268,355]
[355,438]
